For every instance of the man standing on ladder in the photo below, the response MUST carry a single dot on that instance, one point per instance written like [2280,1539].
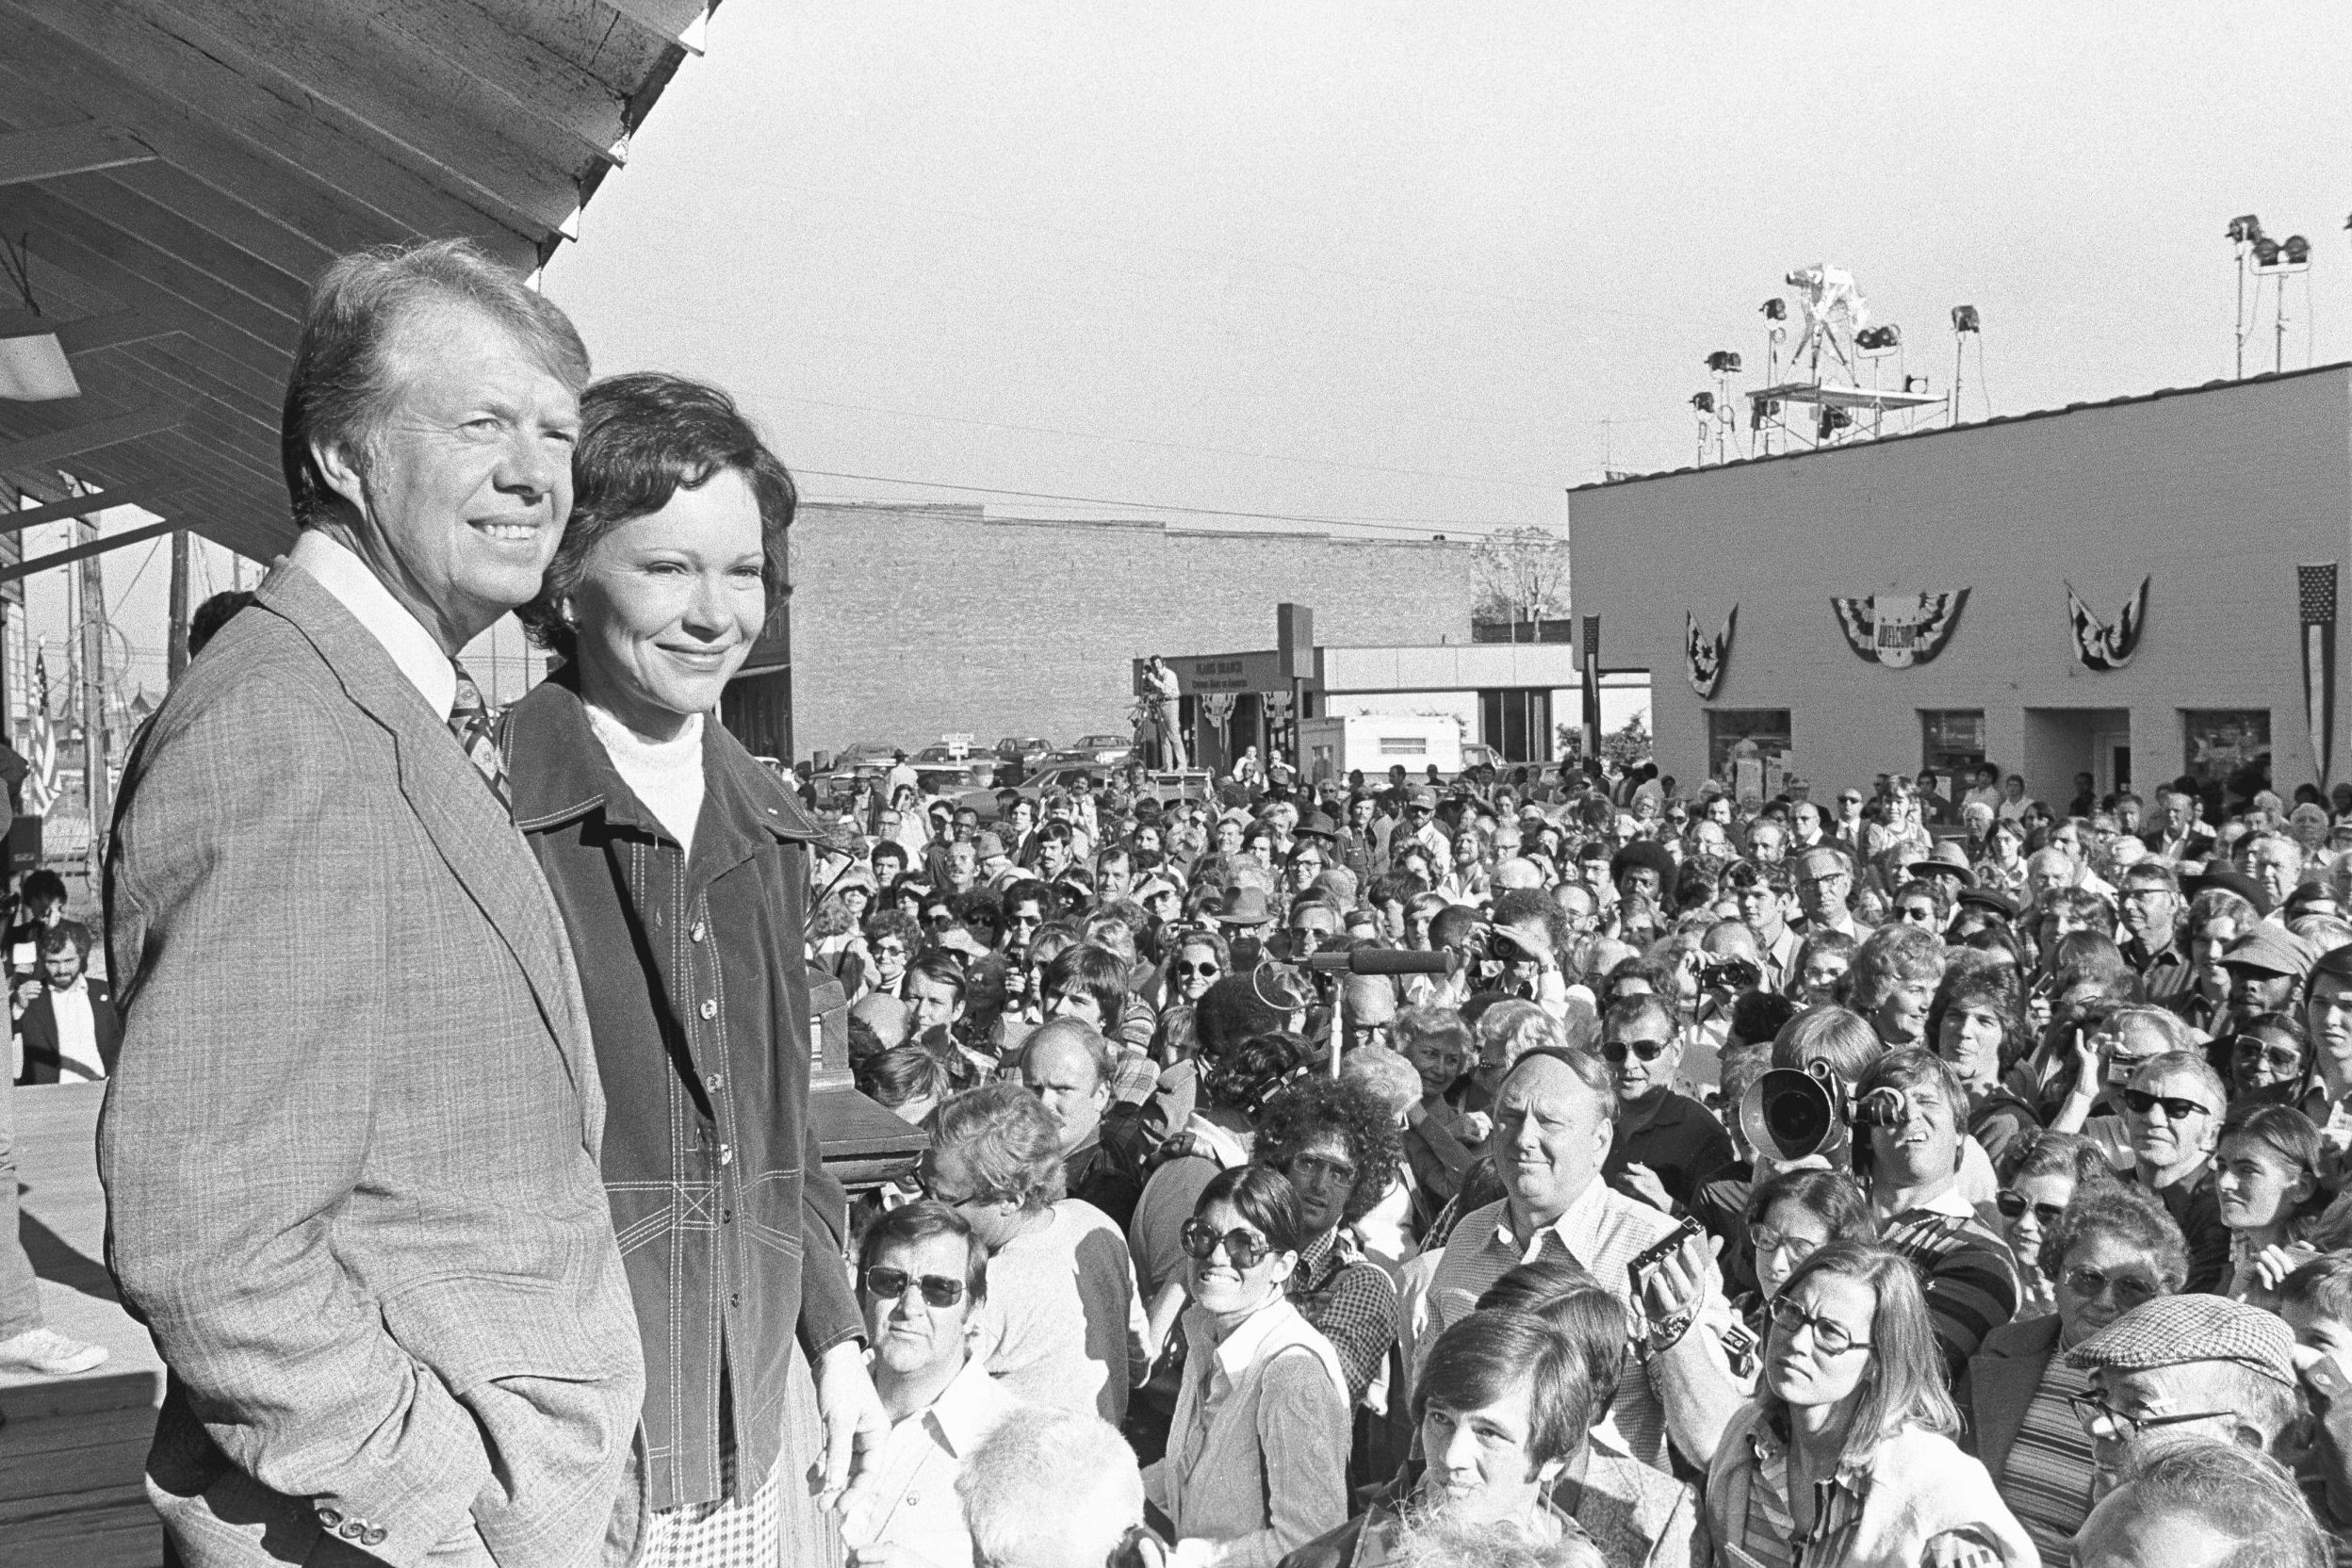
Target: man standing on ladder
[1161,691]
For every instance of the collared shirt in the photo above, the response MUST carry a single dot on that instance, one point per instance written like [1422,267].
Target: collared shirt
[415,651]
[1970,1277]
[1766,1534]
[1351,1302]
[77,1032]
[1604,1230]
[906,1494]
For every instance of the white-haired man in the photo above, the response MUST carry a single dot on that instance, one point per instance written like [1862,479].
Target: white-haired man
[1054,1489]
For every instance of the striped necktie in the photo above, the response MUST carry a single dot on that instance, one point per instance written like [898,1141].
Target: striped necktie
[470,721]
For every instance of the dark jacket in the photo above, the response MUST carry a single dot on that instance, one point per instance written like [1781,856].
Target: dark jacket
[2000,1385]
[698,992]
[43,1060]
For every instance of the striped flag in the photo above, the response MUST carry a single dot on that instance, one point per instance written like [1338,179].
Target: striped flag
[2316,595]
[1592,651]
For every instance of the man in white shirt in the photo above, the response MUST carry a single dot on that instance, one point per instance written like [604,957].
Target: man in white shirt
[922,1275]
[69,1030]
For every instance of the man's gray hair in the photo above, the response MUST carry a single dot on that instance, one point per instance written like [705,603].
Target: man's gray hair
[1050,1477]
[2237,1493]
[344,378]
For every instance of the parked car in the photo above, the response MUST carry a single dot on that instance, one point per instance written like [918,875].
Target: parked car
[1108,750]
[1055,776]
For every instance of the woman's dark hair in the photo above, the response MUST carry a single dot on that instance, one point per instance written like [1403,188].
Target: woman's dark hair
[643,437]
[896,922]
[1098,971]
[919,1221]
[1565,1294]
[1305,1109]
[1488,1355]
[1993,984]
[1262,1197]
[1830,1196]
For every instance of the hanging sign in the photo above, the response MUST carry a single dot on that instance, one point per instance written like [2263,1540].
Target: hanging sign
[2102,647]
[1901,630]
[1704,657]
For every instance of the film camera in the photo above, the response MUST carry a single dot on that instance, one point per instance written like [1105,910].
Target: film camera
[1789,1115]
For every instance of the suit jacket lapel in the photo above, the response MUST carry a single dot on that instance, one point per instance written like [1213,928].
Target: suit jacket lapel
[2004,1388]
[468,826]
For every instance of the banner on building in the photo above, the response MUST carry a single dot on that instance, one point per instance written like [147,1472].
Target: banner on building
[2316,598]
[1704,657]
[1901,630]
[2102,647]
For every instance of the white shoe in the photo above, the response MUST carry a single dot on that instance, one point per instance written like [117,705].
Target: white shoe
[46,1350]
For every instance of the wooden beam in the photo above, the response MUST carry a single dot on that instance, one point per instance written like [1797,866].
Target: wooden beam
[679,21]
[82,552]
[80,506]
[43,451]
[58,151]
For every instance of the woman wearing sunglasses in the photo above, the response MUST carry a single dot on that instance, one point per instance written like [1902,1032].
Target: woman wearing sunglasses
[2112,1249]
[1847,1448]
[2044,1171]
[2272,1063]
[1257,1455]
[1197,960]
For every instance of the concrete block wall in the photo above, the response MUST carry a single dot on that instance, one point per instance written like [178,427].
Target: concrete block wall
[2218,493]
[909,622]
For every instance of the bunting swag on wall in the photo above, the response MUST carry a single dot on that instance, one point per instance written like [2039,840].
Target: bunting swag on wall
[2315,593]
[1901,630]
[1704,657]
[2102,647]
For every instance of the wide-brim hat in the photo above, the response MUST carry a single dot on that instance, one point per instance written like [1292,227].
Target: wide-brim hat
[2230,880]
[1244,907]
[1315,824]
[1946,859]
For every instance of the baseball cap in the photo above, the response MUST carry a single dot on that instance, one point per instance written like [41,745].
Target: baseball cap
[2172,1330]
[1425,798]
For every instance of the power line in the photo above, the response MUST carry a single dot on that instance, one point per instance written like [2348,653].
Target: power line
[1397,525]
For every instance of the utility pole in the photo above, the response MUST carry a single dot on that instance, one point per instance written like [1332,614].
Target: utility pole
[175,645]
[93,628]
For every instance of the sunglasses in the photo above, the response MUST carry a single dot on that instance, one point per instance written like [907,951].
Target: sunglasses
[2175,1108]
[1243,1249]
[2253,1047]
[2090,1284]
[888,1285]
[1202,970]
[1649,1050]
[2013,1204]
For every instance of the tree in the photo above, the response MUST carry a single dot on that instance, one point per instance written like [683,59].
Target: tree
[1521,575]
[1627,746]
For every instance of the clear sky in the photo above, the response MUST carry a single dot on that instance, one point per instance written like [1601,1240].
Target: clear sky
[1415,263]
[1429,262]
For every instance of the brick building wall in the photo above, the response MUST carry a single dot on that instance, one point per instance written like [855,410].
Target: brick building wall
[2217,494]
[909,622]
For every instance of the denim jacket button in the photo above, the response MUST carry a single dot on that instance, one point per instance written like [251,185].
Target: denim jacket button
[710,1009]
[726,1153]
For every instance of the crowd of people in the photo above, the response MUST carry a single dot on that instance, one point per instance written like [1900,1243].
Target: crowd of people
[1553,1168]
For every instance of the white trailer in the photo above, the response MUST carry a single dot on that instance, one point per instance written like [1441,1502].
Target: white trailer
[1331,748]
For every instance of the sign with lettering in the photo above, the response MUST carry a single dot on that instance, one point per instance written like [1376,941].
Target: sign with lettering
[1207,673]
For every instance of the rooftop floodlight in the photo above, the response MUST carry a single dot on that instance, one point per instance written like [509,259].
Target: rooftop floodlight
[1832,421]
[1879,340]
[2245,230]
[1964,318]
[1723,363]
[2298,250]
[1776,308]
[1703,401]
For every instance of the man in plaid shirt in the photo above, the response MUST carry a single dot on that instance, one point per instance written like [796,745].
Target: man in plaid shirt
[1553,1125]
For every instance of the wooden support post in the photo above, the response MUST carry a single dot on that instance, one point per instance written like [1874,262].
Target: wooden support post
[93,619]
[175,647]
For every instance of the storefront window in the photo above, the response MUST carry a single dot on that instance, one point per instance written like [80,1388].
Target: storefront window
[2227,748]
[1951,739]
[1744,734]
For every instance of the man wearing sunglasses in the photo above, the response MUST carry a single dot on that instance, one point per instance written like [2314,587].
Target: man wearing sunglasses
[1666,1144]
[922,1276]
[2185,1370]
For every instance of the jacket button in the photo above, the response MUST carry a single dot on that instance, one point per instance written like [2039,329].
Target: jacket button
[373,1538]
[352,1530]
[329,1517]
[726,1153]
[710,1009]
[715,1083]
[695,935]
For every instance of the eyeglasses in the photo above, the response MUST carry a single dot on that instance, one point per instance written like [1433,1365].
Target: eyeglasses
[2012,1203]
[2250,1048]
[888,950]
[888,1285]
[1204,971]
[1321,1168]
[1649,1050]
[1024,920]
[1848,800]
[2094,1414]
[1766,1240]
[2175,1108]
[1244,1250]
[1829,1338]
[2090,1284]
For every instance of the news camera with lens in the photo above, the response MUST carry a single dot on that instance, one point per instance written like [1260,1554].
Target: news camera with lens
[1791,1113]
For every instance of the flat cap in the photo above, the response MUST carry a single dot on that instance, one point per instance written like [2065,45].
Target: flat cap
[2232,880]
[987,845]
[2269,949]
[2172,1330]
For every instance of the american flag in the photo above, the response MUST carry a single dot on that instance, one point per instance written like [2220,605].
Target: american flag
[1592,651]
[2316,599]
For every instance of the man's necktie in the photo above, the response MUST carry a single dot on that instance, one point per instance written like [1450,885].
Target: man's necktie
[470,721]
